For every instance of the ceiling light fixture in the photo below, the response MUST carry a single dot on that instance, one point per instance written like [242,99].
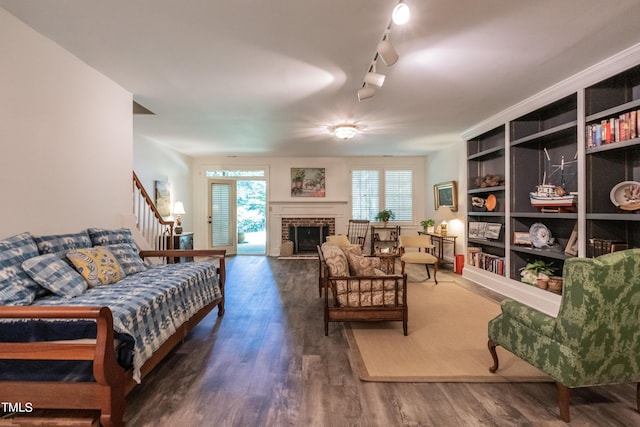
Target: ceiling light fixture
[401,14]
[345,131]
[384,51]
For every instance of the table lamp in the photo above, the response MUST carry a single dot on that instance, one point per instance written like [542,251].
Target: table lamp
[444,214]
[178,209]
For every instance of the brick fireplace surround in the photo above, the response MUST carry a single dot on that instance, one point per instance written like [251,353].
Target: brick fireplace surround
[306,222]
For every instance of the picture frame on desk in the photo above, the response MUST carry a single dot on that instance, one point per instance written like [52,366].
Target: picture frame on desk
[446,194]
[521,238]
[572,243]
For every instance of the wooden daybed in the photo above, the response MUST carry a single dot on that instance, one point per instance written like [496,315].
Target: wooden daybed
[112,383]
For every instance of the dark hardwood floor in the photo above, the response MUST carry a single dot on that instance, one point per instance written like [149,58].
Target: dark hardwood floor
[266,362]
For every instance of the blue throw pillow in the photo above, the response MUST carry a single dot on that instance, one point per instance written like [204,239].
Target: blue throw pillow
[103,237]
[61,244]
[128,258]
[16,287]
[56,275]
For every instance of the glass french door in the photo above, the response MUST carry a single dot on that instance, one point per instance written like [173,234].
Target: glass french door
[222,215]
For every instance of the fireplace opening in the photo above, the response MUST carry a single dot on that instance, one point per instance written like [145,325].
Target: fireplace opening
[305,238]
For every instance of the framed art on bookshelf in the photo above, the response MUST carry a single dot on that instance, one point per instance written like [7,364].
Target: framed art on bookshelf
[572,244]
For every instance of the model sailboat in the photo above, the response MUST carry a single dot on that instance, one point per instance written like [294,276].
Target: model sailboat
[554,196]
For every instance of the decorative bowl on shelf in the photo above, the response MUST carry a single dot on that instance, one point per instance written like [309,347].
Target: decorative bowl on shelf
[626,195]
[540,236]
[555,284]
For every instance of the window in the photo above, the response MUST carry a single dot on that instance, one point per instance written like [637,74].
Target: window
[376,189]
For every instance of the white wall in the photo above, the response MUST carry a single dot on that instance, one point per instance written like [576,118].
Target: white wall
[338,188]
[449,164]
[65,138]
[155,162]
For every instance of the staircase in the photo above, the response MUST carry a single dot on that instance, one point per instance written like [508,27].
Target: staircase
[155,230]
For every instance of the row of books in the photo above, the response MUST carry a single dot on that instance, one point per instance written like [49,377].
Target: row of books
[491,263]
[614,129]
[597,247]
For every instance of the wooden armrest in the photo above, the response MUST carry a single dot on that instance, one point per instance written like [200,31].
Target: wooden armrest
[101,352]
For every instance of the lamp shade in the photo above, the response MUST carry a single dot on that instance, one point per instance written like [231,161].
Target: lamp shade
[444,213]
[387,52]
[178,208]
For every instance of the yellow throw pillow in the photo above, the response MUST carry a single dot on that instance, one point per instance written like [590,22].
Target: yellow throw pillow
[96,265]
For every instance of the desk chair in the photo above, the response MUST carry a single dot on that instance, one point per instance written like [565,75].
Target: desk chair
[415,257]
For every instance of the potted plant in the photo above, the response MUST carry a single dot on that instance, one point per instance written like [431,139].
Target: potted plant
[428,225]
[385,215]
[537,272]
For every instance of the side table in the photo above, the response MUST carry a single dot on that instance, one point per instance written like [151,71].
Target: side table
[387,262]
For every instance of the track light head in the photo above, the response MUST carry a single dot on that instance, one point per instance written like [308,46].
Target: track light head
[365,93]
[387,52]
[401,14]
[374,79]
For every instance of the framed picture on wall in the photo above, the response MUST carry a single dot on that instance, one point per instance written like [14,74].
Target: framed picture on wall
[163,197]
[446,194]
[308,182]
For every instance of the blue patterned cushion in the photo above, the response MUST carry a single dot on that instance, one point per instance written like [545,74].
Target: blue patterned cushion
[16,287]
[128,258]
[103,237]
[60,244]
[56,275]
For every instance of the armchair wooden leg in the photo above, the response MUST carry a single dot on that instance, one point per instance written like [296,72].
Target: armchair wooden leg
[435,272]
[563,402]
[428,273]
[492,349]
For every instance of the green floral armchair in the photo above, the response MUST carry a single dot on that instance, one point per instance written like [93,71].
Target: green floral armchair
[594,340]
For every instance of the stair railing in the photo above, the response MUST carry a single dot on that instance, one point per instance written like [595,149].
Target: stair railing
[157,231]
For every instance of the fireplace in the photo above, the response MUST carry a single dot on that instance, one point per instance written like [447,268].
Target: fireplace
[306,233]
[305,238]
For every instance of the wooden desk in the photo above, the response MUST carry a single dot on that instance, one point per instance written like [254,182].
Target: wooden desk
[180,241]
[439,241]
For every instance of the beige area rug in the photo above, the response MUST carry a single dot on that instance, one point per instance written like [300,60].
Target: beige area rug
[447,340]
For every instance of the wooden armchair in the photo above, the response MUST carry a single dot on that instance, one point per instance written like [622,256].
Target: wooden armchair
[369,296]
[594,340]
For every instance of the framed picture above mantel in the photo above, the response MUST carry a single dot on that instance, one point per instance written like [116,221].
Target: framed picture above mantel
[308,182]
[446,194]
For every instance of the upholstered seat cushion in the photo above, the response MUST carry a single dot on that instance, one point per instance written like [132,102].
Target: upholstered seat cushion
[340,240]
[418,258]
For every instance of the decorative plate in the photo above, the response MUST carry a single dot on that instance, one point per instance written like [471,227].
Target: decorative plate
[626,195]
[539,235]
[491,202]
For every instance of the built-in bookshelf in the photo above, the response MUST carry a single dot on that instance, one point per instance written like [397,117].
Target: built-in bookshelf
[613,159]
[567,130]
[485,172]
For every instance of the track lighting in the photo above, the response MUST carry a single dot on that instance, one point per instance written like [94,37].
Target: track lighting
[387,52]
[365,92]
[372,78]
[384,51]
[401,14]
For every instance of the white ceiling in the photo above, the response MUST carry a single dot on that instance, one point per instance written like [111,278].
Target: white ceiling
[270,77]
